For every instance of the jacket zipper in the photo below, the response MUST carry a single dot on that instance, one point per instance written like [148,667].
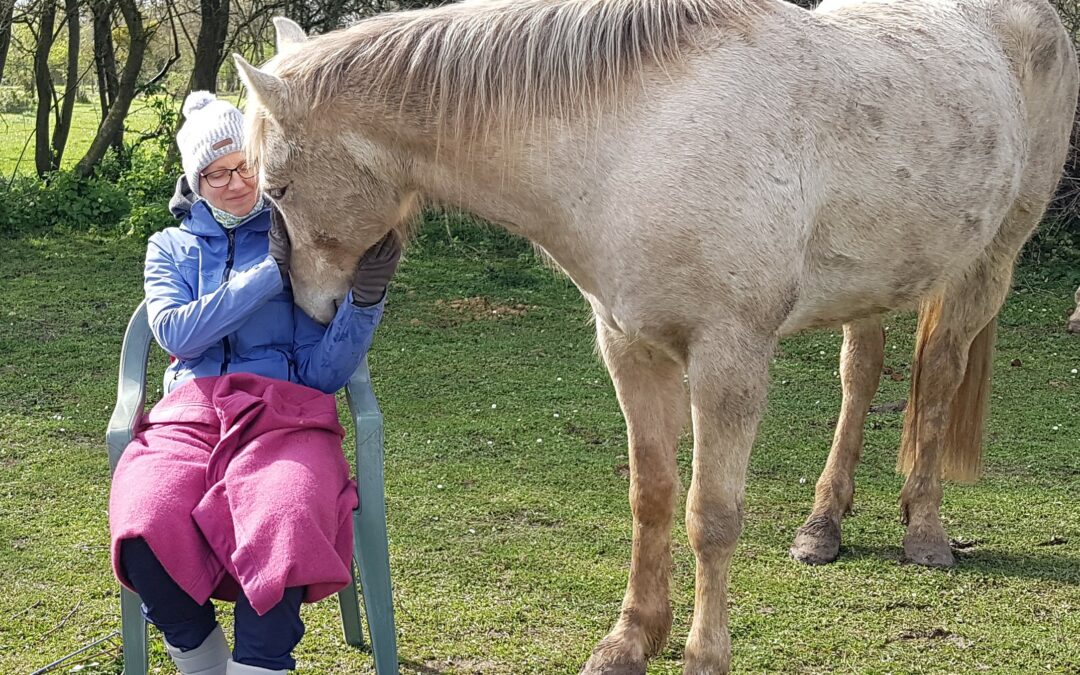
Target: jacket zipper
[228,269]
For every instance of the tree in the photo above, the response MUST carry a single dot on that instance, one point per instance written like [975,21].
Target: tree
[108,83]
[71,84]
[113,123]
[43,160]
[7,13]
[213,30]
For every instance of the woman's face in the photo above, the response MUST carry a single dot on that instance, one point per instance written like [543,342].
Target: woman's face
[229,191]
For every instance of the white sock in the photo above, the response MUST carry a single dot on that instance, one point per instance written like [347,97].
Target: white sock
[235,668]
[209,658]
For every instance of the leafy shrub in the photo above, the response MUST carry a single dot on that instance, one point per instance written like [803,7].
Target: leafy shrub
[147,219]
[14,100]
[62,200]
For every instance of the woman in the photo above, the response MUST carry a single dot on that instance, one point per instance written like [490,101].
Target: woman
[235,485]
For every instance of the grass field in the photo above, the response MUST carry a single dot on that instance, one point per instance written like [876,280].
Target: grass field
[506,483]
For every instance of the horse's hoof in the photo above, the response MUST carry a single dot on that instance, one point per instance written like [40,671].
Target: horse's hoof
[930,553]
[705,670]
[598,665]
[1074,326]
[706,667]
[817,542]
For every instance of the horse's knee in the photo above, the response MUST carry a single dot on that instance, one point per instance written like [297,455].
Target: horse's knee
[652,499]
[714,526]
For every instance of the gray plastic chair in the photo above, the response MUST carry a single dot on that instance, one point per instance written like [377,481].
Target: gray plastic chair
[369,523]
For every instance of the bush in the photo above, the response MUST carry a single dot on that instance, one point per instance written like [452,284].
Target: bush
[129,194]
[146,220]
[63,200]
[14,101]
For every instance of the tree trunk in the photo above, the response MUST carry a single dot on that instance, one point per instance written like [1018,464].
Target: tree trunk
[104,54]
[43,83]
[71,85]
[113,123]
[7,11]
[210,44]
[105,61]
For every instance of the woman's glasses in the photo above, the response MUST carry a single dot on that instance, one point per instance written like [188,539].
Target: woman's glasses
[219,178]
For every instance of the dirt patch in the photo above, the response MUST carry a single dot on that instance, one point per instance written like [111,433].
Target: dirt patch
[935,634]
[451,665]
[478,309]
[530,518]
[587,435]
[893,407]
[1053,541]
[964,544]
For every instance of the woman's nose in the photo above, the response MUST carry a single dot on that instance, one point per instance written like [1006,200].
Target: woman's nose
[236,182]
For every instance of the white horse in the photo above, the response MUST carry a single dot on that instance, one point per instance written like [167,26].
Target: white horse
[1074,320]
[713,175]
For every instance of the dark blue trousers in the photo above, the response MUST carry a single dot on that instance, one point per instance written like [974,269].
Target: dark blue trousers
[263,641]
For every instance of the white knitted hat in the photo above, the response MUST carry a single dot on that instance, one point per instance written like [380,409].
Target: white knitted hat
[213,128]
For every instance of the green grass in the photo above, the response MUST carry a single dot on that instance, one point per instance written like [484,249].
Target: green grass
[509,554]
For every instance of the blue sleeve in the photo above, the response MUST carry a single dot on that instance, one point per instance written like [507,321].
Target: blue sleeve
[186,326]
[327,356]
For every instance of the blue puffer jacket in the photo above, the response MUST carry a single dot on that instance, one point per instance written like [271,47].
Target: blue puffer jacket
[217,303]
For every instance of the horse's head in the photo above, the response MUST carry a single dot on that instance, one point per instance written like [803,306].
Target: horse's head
[339,190]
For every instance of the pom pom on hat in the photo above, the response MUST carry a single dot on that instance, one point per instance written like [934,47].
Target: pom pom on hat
[213,128]
[197,100]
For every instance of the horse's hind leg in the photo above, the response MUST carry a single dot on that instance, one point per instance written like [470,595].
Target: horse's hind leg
[728,381]
[818,540]
[1074,320]
[943,426]
[652,395]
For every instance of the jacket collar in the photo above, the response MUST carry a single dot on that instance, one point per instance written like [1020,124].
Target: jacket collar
[200,222]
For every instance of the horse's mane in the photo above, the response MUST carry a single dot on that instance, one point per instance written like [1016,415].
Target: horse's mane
[506,60]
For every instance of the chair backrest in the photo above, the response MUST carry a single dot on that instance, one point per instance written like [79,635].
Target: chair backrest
[131,389]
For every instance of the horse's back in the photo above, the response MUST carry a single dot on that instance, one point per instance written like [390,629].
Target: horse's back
[827,165]
[982,96]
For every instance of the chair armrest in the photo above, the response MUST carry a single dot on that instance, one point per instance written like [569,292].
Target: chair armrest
[131,390]
[362,402]
[368,421]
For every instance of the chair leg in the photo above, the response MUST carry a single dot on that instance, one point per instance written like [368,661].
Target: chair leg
[373,558]
[133,633]
[370,547]
[350,614]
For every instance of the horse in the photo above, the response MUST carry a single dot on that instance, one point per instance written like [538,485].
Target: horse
[713,175]
[1074,320]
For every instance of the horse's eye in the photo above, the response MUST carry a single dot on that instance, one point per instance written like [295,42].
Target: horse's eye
[277,193]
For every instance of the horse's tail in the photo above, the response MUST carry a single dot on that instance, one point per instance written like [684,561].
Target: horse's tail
[1040,50]
[962,452]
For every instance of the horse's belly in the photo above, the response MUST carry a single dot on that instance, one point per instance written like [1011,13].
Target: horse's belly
[837,288]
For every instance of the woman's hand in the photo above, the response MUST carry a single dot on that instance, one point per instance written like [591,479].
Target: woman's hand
[374,270]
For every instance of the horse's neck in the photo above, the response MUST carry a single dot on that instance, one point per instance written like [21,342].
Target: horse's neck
[529,192]
[543,195]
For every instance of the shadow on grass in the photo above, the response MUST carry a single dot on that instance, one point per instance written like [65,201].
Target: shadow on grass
[1051,563]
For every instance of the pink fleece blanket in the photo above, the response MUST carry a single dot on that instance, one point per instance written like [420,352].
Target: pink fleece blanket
[239,482]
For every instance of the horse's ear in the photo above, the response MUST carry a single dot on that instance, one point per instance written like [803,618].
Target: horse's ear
[271,90]
[288,32]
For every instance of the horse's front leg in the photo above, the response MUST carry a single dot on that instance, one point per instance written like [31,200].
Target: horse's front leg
[728,383]
[650,388]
